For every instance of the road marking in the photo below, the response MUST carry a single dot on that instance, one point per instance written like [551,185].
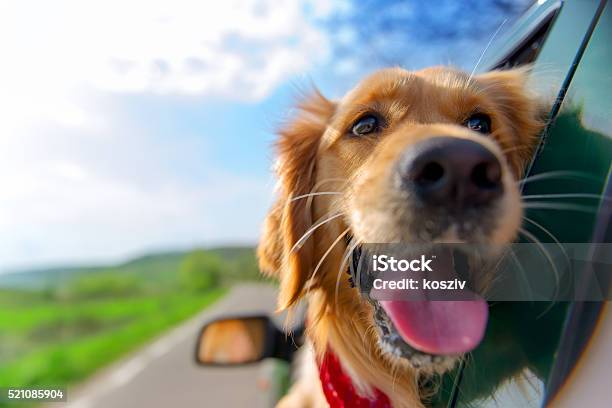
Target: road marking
[127,371]
[123,373]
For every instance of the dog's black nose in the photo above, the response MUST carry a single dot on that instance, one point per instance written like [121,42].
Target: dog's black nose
[451,172]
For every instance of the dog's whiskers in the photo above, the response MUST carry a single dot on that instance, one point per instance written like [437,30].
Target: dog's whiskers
[549,259]
[496,275]
[347,254]
[550,234]
[314,273]
[315,194]
[312,229]
[523,273]
[568,195]
[316,187]
[556,174]
[537,205]
[486,48]
[546,231]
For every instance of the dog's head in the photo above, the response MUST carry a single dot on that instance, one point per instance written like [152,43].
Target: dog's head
[426,156]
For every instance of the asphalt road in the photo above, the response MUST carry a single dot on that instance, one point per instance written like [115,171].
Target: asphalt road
[163,374]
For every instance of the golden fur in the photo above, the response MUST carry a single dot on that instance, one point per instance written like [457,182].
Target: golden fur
[316,155]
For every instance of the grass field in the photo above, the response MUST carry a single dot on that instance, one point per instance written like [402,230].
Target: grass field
[46,343]
[57,327]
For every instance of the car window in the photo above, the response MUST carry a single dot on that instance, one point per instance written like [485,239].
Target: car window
[584,128]
[523,337]
[526,49]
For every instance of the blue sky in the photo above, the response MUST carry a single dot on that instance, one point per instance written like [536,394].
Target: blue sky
[137,126]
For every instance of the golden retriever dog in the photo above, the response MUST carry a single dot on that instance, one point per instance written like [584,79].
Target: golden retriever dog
[420,157]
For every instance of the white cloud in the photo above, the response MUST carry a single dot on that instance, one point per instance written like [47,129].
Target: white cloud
[58,206]
[63,62]
[239,49]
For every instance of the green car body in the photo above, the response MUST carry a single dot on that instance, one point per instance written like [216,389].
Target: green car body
[568,45]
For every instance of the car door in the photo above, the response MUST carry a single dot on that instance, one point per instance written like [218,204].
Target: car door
[567,43]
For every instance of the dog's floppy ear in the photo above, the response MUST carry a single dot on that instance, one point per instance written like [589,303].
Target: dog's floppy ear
[288,219]
[523,110]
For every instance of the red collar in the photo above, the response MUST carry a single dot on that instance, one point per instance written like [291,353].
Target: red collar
[339,390]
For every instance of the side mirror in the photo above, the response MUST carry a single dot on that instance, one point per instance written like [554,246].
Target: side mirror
[243,340]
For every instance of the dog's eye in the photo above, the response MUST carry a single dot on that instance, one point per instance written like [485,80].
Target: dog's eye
[479,122]
[365,125]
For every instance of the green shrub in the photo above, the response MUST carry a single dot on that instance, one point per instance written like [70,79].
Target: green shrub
[98,285]
[200,270]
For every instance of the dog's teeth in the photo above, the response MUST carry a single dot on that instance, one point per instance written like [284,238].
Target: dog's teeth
[420,360]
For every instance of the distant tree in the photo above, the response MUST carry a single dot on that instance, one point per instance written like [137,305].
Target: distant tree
[200,270]
[100,285]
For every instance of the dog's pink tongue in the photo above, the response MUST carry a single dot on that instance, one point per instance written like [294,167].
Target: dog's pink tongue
[439,327]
